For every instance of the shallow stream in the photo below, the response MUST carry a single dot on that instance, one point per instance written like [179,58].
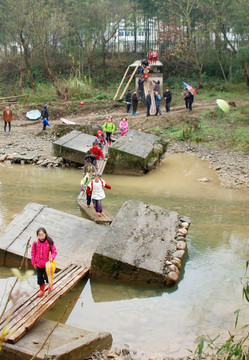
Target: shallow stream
[162,321]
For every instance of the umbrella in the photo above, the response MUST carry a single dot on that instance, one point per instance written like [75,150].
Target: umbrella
[50,269]
[33,115]
[223,105]
[190,88]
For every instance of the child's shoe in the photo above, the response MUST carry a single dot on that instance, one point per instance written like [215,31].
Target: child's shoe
[50,289]
[98,213]
[42,290]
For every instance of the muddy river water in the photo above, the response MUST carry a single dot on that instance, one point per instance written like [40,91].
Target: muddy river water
[161,321]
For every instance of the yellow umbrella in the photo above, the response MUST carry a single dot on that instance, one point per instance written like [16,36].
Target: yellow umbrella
[223,105]
[50,269]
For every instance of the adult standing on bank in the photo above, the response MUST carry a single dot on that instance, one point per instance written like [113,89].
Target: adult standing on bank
[134,103]
[168,97]
[7,117]
[148,103]
[128,101]
[141,88]
[190,99]
[44,116]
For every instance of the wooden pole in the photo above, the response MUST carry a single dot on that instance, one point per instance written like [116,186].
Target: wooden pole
[121,83]
[134,72]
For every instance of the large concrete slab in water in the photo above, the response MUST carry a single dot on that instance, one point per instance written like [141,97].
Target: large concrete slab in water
[144,244]
[73,146]
[76,238]
[65,343]
[135,153]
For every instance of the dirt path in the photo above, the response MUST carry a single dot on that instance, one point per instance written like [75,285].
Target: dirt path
[27,138]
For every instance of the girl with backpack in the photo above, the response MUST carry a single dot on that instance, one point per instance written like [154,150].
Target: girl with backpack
[40,254]
[96,189]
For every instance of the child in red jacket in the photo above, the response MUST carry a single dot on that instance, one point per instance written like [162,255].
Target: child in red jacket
[97,151]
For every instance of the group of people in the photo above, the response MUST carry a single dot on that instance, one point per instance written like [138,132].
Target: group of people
[131,101]
[92,185]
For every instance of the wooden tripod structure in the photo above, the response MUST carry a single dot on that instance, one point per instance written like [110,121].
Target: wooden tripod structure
[138,63]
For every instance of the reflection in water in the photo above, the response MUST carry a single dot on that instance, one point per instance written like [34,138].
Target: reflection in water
[153,320]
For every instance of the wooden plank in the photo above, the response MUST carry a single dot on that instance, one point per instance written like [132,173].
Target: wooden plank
[34,316]
[101,164]
[22,320]
[106,217]
[127,85]
[26,300]
[121,83]
[23,316]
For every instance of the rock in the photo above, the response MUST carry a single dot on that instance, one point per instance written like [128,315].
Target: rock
[179,254]
[125,351]
[181,245]
[174,268]
[204,180]
[177,262]
[182,231]
[185,224]
[172,278]
[3,158]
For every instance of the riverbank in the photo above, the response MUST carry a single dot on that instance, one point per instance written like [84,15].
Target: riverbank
[27,143]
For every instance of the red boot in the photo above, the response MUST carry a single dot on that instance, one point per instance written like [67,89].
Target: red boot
[42,290]
[50,289]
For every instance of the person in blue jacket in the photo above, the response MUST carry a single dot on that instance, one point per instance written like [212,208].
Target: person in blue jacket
[158,103]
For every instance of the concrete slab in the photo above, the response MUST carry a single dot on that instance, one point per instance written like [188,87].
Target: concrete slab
[65,343]
[135,153]
[73,146]
[148,249]
[75,238]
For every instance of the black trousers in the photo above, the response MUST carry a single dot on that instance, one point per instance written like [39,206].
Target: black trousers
[148,110]
[108,136]
[41,276]
[167,107]
[190,106]
[5,125]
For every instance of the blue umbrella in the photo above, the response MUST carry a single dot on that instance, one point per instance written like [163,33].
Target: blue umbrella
[33,115]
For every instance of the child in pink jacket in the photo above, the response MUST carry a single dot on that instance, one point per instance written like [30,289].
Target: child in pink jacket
[123,126]
[40,250]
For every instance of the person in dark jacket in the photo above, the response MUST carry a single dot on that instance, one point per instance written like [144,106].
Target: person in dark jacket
[44,116]
[157,86]
[134,103]
[190,100]
[148,103]
[158,103]
[128,100]
[90,156]
[168,97]
[141,88]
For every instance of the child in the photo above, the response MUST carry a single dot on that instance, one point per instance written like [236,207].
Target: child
[146,73]
[91,157]
[44,116]
[83,185]
[128,101]
[88,167]
[158,103]
[95,188]
[40,250]
[109,129]
[190,100]
[123,126]
[100,137]
[97,151]
[134,103]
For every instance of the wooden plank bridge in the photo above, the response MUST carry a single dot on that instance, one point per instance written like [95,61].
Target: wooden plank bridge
[26,312]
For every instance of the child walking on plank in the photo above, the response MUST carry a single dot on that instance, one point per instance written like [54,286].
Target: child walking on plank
[40,250]
[96,188]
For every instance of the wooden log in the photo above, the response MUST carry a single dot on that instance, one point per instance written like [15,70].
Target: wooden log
[121,83]
[126,87]
[13,97]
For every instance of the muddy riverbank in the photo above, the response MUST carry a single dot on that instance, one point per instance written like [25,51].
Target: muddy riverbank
[27,141]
